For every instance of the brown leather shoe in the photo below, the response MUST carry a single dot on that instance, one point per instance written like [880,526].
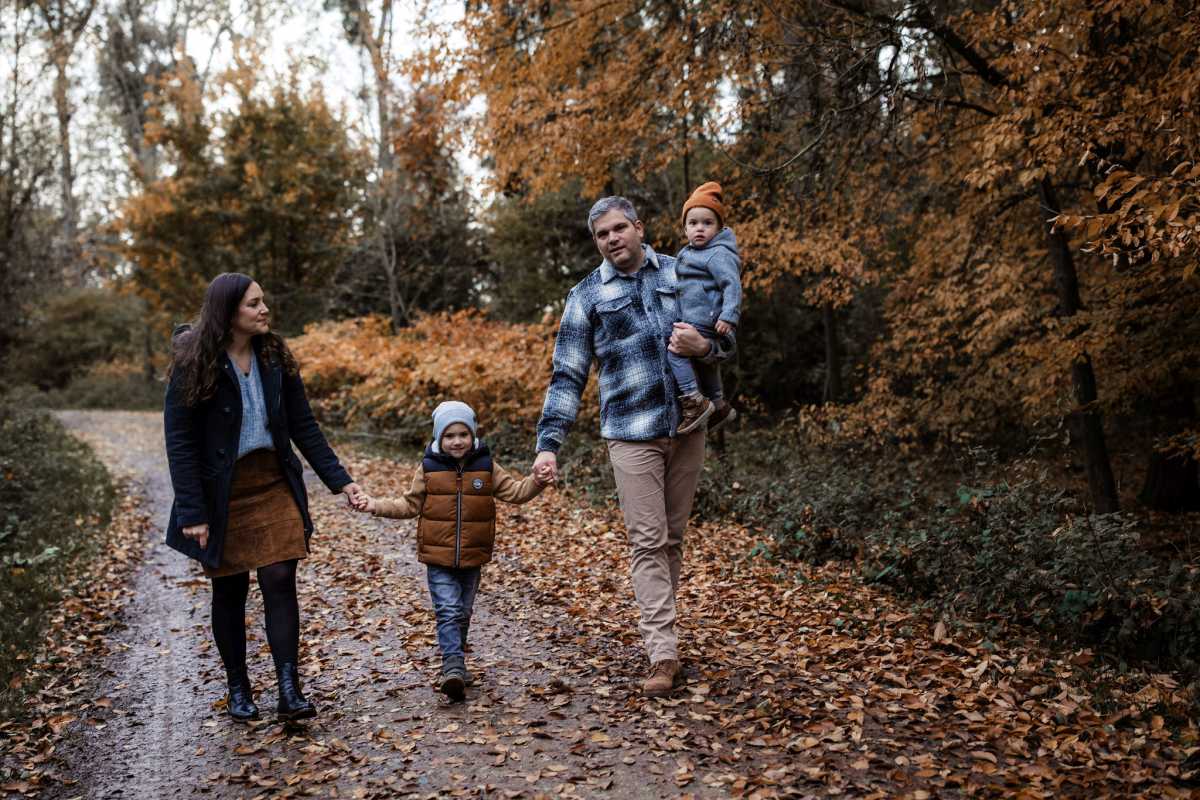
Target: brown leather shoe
[696,409]
[664,677]
[722,414]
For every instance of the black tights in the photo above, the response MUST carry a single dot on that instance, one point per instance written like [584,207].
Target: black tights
[278,585]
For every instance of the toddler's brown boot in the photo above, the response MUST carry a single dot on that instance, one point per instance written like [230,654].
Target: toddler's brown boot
[696,409]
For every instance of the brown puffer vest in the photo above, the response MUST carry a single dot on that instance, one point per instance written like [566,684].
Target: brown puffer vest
[457,527]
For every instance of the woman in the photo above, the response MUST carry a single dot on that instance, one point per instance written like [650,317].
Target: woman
[234,404]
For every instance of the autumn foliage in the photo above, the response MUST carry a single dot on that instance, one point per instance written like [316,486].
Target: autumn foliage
[264,180]
[993,208]
[359,373]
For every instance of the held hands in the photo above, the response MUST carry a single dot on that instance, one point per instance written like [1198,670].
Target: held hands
[545,468]
[724,328]
[197,532]
[357,499]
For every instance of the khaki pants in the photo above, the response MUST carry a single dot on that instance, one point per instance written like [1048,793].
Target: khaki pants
[656,483]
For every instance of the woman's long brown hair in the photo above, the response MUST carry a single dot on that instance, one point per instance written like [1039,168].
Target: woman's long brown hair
[197,351]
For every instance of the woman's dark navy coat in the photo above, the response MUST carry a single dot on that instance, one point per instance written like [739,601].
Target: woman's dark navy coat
[202,445]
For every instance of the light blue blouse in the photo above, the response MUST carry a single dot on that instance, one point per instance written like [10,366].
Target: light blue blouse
[255,434]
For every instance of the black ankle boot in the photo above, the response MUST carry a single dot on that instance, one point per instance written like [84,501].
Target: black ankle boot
[454,674]
[241,696]
[292,705]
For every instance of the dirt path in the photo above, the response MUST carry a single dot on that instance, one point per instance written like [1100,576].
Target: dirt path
[803,684]
[368,656]
[152,680]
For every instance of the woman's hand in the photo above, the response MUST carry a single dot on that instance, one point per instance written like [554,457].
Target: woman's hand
[197,532]
[363,502]
[355,496]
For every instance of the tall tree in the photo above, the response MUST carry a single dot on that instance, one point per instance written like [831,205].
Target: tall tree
[588,90]
[136,52]
[419,234]
[64,24]
[276,195]
[27,160]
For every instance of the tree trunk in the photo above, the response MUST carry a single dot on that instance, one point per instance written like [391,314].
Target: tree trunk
[687,162]
[374,46]
[1086,425]
[148,352]
[391,267]
[373,42]
[1088,431]
[395,302]
[65,25]
[72,262]
[833,355]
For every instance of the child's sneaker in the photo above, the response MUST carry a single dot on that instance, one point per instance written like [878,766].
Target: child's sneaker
[454,681]
[723,414]
[696,409]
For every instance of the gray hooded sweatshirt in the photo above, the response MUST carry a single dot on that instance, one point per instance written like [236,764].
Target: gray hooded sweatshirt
[710,286]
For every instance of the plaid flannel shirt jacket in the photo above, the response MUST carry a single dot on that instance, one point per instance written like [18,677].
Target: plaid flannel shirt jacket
[623,323]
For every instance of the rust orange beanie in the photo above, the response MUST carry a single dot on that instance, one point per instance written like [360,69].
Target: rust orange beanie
[708,195]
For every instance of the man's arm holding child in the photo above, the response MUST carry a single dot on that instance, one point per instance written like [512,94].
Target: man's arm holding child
[510,489]
[406,506]
[691,343]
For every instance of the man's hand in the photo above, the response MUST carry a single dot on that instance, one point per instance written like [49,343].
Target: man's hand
[688,342]
[545,467]
[197,532]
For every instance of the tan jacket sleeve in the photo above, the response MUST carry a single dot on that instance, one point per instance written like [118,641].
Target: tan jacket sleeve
[507,488]
[407,505]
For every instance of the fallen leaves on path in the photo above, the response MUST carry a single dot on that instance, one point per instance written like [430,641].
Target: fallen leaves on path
[814,684]
[78,638]
[800,684]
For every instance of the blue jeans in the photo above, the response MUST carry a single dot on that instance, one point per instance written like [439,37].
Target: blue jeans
[453,593]
[694,375]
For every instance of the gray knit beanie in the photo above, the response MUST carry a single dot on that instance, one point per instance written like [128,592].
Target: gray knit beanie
[446,414]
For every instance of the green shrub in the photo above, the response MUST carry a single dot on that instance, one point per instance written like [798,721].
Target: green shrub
[55,500]
[1018,549]
[72,331]
[107,386]
[100,387]
[812,505]
[975,538]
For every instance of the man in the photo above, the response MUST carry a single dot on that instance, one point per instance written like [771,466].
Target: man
[621,316]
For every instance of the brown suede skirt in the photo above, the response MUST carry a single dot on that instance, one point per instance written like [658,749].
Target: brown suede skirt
[264,521]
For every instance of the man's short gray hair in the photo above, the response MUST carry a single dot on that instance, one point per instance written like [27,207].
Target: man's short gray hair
[607,204]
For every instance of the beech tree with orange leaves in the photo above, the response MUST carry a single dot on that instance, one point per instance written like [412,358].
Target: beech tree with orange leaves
[275,195]
[1034,113]
[1019,182]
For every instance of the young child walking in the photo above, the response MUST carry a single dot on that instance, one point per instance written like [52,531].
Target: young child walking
[710,297]
[454,494]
